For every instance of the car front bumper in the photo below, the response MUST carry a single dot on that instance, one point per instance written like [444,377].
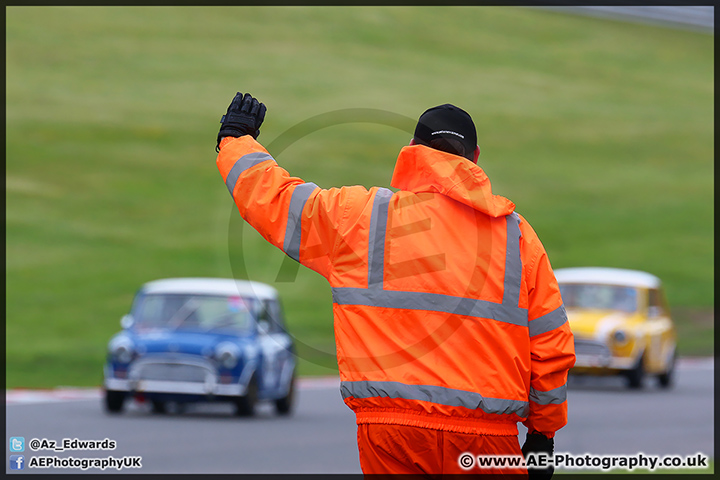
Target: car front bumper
[166,386]
[595,355]
[589,362]
[183,375]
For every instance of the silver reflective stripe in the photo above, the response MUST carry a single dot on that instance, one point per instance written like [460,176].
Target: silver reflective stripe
[431,393]
[376,296]
[376,239]
[293,230]
[549,321]
[513,266]
[554,396]
[245,162]
[434,302]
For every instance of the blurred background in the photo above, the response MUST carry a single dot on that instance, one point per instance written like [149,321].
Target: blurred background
[600,130]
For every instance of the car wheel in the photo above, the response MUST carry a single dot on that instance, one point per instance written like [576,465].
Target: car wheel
[283,406]
[245,405]
[635,376]
[114,401]
[665,379]
[158,406]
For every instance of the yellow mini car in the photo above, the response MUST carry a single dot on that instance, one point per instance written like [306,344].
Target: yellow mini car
[621,323]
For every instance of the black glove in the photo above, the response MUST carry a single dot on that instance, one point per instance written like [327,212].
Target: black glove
[244,117]
[538,443]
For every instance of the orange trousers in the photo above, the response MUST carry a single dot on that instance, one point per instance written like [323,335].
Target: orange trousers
[425,453]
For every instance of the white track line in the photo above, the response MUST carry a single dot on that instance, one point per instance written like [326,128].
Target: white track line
[64,394]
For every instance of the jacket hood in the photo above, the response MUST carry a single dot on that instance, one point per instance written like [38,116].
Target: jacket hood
[424,169]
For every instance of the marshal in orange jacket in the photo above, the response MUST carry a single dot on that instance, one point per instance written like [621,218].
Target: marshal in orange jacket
[447,312]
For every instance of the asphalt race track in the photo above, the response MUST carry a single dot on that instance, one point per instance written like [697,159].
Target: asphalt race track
[604,418]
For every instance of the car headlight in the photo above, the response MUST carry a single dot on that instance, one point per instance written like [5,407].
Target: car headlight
[227,354]
[619,336]
[122,349]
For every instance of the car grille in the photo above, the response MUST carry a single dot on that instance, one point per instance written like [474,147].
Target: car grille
[589,347]
[176,372]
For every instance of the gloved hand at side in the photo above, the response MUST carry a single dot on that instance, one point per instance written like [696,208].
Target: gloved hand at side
[537,443]
[244,117]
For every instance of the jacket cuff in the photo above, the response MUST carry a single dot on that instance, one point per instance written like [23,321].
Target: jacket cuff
[227,140]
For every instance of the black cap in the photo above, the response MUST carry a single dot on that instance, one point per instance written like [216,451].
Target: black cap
[450,123]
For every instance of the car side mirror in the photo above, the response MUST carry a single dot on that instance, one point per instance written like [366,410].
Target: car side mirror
[127,321]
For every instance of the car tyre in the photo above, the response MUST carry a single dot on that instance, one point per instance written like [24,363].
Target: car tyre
[635,376]
[283,406]
[245,405]
[114,401]
[158,406]
[665,379]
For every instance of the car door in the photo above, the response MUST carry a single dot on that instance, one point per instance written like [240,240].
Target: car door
[660,348]
[276,347]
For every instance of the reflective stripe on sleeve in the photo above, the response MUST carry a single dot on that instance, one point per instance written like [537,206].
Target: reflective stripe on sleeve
[245,162]
[431,393]
[549,321]
[293,230]
[554,396]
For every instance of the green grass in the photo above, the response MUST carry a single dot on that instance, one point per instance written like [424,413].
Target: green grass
[601,132]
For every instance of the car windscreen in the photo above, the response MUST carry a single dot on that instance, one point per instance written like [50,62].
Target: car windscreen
[600,297]
[192,312]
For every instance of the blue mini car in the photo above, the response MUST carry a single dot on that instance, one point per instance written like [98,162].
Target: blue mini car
[202,339]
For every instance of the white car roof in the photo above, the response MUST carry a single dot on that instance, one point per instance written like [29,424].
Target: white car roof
[610,276]
[211,286]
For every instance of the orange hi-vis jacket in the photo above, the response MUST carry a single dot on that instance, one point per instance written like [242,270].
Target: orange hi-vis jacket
[447,312]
